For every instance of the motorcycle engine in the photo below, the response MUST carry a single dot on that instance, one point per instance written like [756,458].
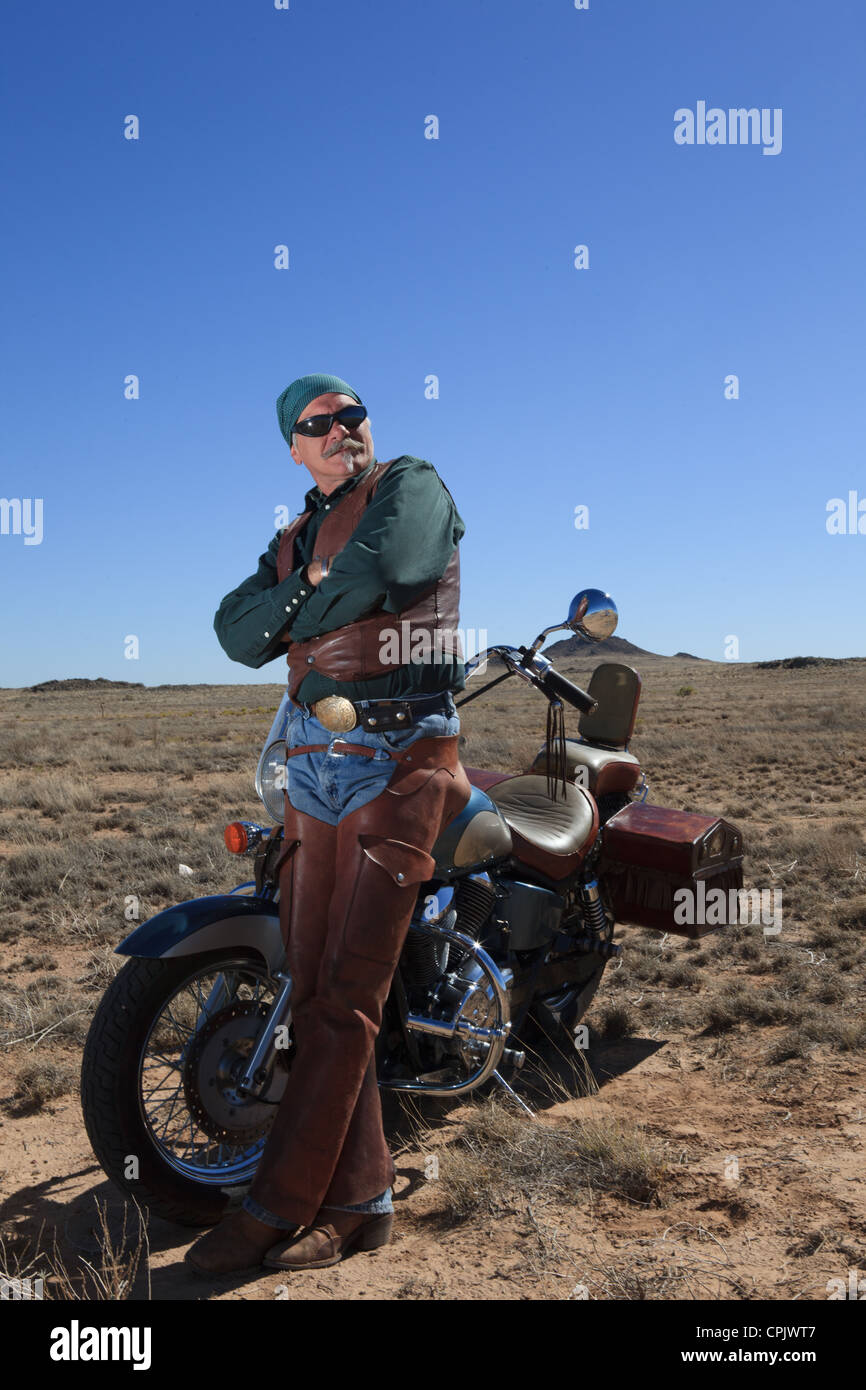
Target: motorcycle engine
[465,906]
[424,958]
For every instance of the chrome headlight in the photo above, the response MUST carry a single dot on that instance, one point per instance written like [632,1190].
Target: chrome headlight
[271,775]
[271,780]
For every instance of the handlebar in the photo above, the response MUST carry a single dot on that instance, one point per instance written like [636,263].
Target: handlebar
[538,670]
[552,683]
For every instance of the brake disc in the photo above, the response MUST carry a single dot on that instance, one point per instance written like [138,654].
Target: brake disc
[215,1064]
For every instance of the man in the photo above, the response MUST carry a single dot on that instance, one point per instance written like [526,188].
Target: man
[364,579]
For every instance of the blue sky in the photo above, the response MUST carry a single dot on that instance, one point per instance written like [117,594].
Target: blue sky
[452,257]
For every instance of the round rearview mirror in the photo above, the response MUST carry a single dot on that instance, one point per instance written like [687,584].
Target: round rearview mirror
[593,614]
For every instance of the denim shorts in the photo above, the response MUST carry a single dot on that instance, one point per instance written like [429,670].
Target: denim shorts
[330,785]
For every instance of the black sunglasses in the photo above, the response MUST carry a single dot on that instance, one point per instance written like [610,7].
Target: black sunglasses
[316,425]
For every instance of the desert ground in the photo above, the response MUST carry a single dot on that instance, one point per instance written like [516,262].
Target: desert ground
[713,1147]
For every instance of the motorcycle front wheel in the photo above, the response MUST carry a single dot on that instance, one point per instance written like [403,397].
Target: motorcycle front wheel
[159,1075]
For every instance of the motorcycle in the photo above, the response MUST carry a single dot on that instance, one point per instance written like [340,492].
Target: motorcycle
[189,1051]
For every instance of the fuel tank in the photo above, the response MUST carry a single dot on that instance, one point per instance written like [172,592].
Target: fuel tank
[477,837]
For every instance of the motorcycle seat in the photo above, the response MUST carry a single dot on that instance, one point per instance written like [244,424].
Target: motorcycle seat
[550,835]
[483,777]
[607,769]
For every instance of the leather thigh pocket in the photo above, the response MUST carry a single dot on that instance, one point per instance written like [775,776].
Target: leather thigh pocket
[385,894]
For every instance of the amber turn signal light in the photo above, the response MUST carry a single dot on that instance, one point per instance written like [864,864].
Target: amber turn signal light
[235,836]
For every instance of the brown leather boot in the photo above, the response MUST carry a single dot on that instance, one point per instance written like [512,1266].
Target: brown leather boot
[332,1235]
[383,857]
[237,1244]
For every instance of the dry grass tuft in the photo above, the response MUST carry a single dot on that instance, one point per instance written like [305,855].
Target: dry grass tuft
[614,1021]
[503,1161]
[48,1006]
[121,1257]
[38,1082]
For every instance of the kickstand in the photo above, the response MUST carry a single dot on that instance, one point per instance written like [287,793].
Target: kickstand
[513,1094]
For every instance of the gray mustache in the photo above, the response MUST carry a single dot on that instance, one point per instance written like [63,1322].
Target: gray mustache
[343,446]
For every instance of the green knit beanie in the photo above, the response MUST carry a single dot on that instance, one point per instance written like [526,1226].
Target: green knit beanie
[299,394]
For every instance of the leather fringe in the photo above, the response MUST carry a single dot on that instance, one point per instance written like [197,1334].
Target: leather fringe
[557,764]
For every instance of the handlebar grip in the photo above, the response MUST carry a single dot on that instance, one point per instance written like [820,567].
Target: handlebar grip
[552,683]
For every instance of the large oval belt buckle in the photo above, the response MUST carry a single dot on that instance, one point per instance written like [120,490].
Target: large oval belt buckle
[336,713]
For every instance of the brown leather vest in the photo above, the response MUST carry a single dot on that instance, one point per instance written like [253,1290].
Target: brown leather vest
[352,652]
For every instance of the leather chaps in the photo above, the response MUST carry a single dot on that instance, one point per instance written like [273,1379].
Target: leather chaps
[347,894]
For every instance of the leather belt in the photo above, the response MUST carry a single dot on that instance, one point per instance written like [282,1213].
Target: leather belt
[339,714]
[335,747]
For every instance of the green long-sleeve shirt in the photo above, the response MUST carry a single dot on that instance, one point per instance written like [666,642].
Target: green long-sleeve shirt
[403,542]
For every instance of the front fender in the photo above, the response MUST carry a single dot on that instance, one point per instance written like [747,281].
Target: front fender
[207,924]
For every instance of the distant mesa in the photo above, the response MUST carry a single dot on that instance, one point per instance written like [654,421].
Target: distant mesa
[83,683]
[612,646]
[618,647]
[793,663]
[580,646]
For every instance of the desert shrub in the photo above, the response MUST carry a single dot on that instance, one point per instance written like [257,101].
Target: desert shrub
[38,1082]
[614,1021]
[500,1160]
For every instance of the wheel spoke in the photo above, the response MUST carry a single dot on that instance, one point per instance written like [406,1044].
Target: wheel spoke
[180,1027]
[158,1087]
[184,1144]
[166,1061]
[170,1113]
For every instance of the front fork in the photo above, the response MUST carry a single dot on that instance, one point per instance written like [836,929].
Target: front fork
[260,1067]
[259,1070]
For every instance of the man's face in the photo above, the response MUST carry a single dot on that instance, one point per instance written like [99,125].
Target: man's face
[339,454]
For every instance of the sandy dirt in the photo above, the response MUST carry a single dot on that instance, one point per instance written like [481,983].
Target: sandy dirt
[764,1191]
